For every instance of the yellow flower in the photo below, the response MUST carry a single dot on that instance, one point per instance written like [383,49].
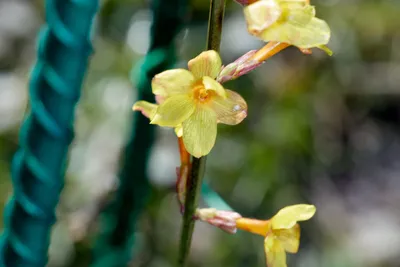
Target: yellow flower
[287,21]
[193,103]
[282,232]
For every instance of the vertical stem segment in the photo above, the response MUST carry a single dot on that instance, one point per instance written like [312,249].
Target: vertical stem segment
[217,10]
[39,165]
[192,199]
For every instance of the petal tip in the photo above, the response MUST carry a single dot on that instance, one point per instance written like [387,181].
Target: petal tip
[146,108]
[207,63]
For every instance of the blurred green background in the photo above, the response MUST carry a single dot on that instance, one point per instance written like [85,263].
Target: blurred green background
[322,130]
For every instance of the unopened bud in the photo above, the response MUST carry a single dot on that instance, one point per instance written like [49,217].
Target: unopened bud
[246,67]
[225,220]
[245,57]
[239,67]
[227,72]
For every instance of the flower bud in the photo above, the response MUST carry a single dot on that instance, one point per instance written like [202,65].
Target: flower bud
[225,220]
[239,67]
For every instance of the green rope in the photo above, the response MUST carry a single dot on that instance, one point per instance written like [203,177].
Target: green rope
[114,246]
[39,166]
[213,199]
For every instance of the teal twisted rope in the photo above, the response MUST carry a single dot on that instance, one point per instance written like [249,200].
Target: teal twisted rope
[213,199]
[38,167]
[114,247]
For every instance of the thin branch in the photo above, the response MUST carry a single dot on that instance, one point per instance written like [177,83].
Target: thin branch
[217,9]
[192,199]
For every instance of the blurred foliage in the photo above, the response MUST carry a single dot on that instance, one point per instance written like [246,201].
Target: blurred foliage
[320,129]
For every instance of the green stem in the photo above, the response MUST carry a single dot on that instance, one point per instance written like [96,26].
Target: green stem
[191,202]
[217,9]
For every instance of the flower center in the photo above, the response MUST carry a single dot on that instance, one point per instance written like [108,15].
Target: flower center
[201,94]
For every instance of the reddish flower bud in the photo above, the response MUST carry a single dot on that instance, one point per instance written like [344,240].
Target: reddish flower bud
[239,67]
[225,220]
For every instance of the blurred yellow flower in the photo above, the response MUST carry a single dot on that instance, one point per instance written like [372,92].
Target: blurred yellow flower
[282,232]
[287,21]
[193,103]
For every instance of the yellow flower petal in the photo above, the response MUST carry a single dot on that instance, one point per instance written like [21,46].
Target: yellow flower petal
[232,110]
[276,255]
[287,217]
[208,63]
[200,132]
[179,130]
[290,238]
[172,82]
[147,109]
[160,99]
[173,111]
[300,16]
[261,15]
[313,34]
[211,84]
